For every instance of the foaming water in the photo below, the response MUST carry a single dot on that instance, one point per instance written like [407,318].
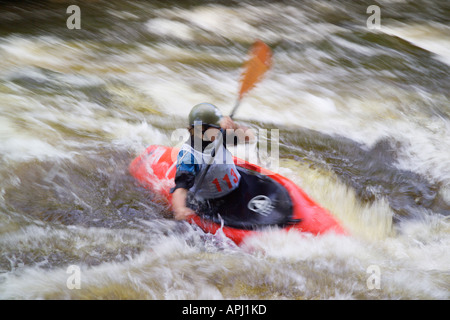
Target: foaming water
[369,221]
[363,118]
[434,37]
[275,265]
[404,273]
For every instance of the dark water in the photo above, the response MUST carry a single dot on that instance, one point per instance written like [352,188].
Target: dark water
[363,118]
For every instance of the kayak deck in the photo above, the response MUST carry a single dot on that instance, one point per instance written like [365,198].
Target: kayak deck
[258,202]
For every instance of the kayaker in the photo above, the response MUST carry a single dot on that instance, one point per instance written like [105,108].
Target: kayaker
[206,123]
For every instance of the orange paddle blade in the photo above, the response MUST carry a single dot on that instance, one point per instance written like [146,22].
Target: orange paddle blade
[259,62]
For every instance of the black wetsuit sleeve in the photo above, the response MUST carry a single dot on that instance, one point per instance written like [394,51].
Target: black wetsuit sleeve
[186,171]
[183,179]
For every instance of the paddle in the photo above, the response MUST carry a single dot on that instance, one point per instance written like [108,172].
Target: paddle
[259,62]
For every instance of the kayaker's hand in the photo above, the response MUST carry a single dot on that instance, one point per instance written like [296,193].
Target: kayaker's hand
[183,213]
[227,123]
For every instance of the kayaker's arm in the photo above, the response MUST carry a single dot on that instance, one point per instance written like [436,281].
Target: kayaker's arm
[181,212]
[184,180]
[186,171]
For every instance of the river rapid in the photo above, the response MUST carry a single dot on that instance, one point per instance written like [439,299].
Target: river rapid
[364,128]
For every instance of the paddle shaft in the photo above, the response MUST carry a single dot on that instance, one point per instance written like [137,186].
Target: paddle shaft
[236,106]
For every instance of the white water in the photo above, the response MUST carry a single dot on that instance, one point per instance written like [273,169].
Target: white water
[76,109]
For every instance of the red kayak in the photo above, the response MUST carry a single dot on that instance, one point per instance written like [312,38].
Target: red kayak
[263,199]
